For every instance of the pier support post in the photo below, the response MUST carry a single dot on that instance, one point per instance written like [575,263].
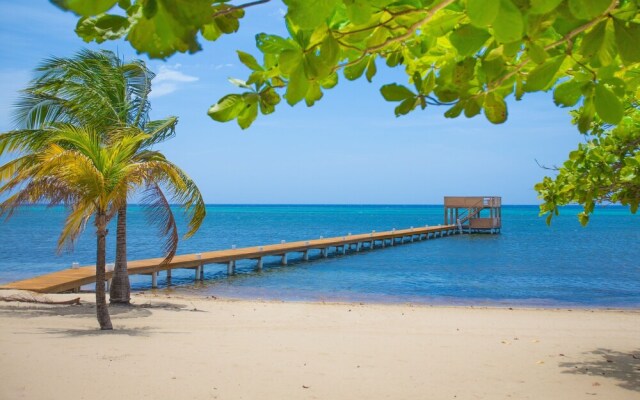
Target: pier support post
[168,277]
[324,252]
[154,279]
[305,255]
[283,260]
[199,272]
[384,243]
[358,247]
[231,268]
[344,249]
[259,265]
[393,241]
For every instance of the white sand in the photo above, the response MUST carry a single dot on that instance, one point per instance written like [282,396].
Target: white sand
[179,348]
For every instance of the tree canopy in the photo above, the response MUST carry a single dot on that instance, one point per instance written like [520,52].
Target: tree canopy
[465,55]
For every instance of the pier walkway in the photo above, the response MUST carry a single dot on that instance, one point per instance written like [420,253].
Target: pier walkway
[72,279]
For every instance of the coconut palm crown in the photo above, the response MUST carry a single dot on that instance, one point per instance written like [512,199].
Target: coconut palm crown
[99,91]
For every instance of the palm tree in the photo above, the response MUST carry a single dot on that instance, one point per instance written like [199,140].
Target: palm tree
[93,89]
[77,167]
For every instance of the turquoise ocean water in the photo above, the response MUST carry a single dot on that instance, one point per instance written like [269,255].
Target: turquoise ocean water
[528,264]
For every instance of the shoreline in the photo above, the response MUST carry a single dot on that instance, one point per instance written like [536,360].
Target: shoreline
[329,301]
[177,346]
[186,295]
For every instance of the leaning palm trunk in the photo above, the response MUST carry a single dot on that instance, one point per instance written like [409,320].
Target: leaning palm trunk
[102,311]
[120,291]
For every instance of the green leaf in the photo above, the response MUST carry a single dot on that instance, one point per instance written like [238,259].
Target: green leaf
[173,28]
[482,12]
[273,44]
[86,8]
[290,60]
[519,92]
[319,65]
[239,83]
[314,93]
[588,9]
[297,87]
[608,105]
[583,218]
[627,39]
[508,26]
[471,108]
[428,83]
[229,22]
[359,11]
[543,76]
[395,92]
[405,107]
[587,113]
[211,32]
[455,111]
[307,16]
[101,28]
[330,81]
[495,109]
[537,54]
[228,108]
[598,45]
[248,60]
[440,25]
[567,94]
[355,71]
[468,39]
[446,93]
[269,98]
[543,6]
[248,115]
[371,69]
[149,8]
[626,11]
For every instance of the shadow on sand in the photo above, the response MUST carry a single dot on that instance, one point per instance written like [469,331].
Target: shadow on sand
[623,367]
[88,310]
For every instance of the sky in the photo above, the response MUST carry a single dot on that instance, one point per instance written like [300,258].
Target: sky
[347,149]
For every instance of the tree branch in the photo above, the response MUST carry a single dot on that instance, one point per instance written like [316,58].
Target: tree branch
[239,7]
[410,31]
[565,39]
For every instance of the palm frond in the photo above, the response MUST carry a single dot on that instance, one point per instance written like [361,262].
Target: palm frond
[22,140]
[75,224]
[160,131]
[159,213]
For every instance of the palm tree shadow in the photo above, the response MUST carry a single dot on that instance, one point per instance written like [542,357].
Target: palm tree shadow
[621,366]
[74,311]
[143,332]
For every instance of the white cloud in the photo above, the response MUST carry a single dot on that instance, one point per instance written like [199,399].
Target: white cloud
[220,66]
[169,79]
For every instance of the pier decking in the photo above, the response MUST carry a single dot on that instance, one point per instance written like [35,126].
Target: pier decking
[72,279]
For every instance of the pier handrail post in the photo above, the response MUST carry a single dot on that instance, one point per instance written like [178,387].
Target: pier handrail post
[199,271]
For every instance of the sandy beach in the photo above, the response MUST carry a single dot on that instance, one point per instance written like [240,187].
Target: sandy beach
[193,348]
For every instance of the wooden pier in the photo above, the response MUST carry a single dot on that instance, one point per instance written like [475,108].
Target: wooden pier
[72,279]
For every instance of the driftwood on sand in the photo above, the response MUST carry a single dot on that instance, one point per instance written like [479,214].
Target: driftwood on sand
[32,298]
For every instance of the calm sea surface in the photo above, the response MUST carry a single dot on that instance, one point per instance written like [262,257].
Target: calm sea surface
[528,264]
